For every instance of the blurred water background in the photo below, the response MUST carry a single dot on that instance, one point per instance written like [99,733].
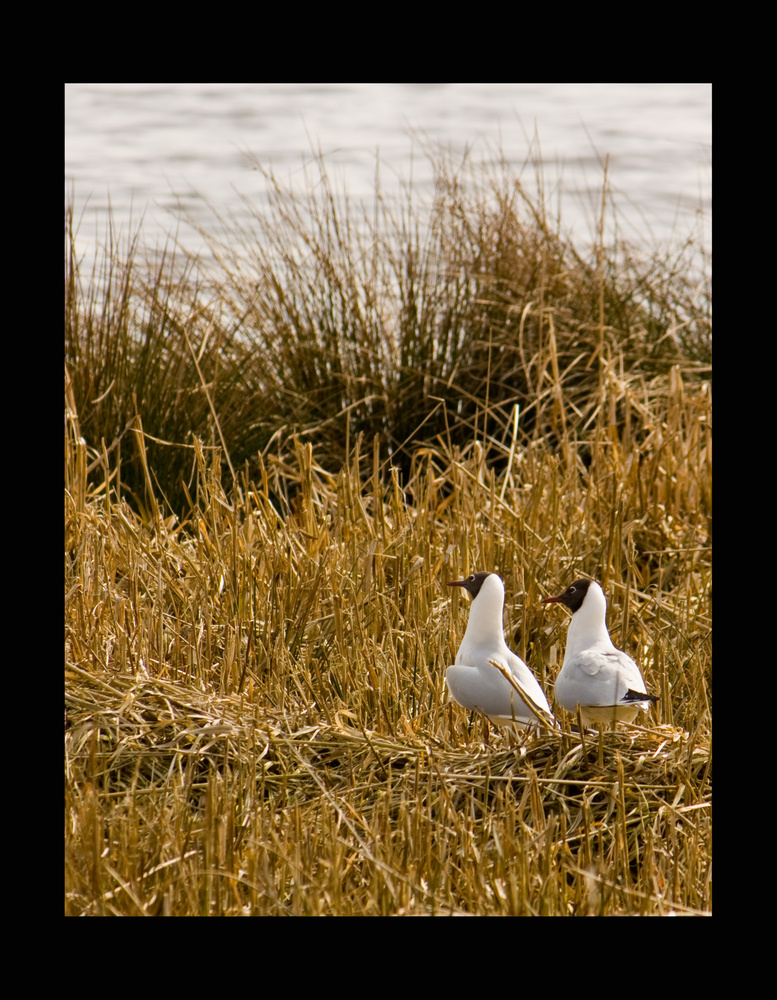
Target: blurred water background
[160,152]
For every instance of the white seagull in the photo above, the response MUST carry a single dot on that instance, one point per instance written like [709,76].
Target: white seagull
[487,675]
[602,680]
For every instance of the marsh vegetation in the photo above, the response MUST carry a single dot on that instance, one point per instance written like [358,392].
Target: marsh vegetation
[275,458]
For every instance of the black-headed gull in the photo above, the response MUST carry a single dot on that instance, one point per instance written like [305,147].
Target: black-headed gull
[479,678]
[602,680]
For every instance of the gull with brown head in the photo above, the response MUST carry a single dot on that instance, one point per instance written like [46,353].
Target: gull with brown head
[487,676]
[603,681]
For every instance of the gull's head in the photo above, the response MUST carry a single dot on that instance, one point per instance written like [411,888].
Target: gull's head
[474,584]
[575,594]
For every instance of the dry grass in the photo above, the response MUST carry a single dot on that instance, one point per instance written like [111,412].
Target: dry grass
[257,721]
[255,712]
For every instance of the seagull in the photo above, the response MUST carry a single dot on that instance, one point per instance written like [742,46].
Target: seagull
[515,697]
[602,680]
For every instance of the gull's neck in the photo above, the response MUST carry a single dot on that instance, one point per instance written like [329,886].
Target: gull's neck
[485,624]
[589,623]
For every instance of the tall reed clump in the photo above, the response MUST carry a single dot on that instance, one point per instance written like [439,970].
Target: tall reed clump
[421,324]
[256,719]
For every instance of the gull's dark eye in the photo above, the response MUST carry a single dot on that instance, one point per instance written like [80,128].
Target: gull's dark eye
[472,577]
[572,590]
